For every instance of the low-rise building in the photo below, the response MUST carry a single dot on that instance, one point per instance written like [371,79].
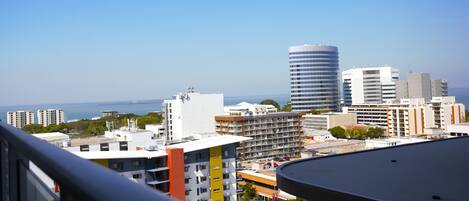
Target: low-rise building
[265,184]
[274,135]
[55,138]
[458,130]
[247,109]
[19,119]
[327,120]
[393,141]
[157,129]
[109,113]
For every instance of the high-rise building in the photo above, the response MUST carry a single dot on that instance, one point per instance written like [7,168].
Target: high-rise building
[19,119]
[369,85]
[50,116]
[274,135]
[439,88]
[314,77]
[420,85]
[190,113]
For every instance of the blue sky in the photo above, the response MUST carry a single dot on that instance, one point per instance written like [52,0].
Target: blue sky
[79,51]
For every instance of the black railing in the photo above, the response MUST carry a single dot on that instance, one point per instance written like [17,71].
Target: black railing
[77,179]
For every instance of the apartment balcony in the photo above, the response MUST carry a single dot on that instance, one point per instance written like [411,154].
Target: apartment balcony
[406,172]
[28,165]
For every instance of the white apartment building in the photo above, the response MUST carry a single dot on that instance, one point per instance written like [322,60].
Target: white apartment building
[326,121]
[369,85]
[50,116]
[410,116]
[157,129]
[247,109]
[19,119]
[190,113]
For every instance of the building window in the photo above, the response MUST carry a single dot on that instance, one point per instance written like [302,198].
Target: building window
[136,163]
[104,146]
[137,176]
[123,146]
[226,176]
[85,147]
[186,168]
[186,180]
[117,166]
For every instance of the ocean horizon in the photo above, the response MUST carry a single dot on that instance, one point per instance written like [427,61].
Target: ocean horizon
[88,110]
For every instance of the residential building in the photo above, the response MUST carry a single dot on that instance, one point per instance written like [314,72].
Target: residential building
[275,135]
[420,85]
[50,117]
[369,85]
[445,111]
[411,116]
[203,169]
[19,119]
[439,88]
[247,109]
[314,77]
[109,113]
[327,120]
[190,113]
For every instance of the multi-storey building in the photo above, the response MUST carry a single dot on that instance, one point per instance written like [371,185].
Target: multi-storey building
[109,113]
[190,113]
[19,119]
[314,77]
[410,116]
[445,111]
[439,88]
[203,169]
[247,109]
[327,120]
[50,116]
[420,85]
[369,85]
[275,135]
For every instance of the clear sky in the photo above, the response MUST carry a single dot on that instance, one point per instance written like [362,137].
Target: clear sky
[80,51]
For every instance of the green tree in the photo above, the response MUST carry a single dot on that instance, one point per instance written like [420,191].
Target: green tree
[338,132]
[150,118]
[467,116]
[314,111]
[357,133]
[375,132]
[270,102]
[286,107]
[249,192]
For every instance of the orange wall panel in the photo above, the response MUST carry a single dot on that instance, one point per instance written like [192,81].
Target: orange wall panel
[176,173]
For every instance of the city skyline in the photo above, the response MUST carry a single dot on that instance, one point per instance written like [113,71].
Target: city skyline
[105,51]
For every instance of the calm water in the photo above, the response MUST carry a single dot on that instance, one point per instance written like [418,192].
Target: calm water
[90,110]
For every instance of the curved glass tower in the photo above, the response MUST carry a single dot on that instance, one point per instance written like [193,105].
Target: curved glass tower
[314,77]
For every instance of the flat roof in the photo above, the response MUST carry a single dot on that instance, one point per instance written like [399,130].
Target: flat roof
[51,136]
[119,154]
[435,170]
[208,142]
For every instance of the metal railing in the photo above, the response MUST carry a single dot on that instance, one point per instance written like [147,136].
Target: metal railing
[76,178]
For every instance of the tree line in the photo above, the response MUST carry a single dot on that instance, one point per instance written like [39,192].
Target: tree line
[86,127]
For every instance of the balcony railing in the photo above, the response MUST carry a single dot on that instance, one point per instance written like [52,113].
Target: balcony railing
[75,178]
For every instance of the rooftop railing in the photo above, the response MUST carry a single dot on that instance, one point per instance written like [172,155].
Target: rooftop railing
[75,178]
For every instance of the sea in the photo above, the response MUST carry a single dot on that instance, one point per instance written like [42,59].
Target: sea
[76,111]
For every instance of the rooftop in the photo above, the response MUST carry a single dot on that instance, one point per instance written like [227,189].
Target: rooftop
[421,171]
